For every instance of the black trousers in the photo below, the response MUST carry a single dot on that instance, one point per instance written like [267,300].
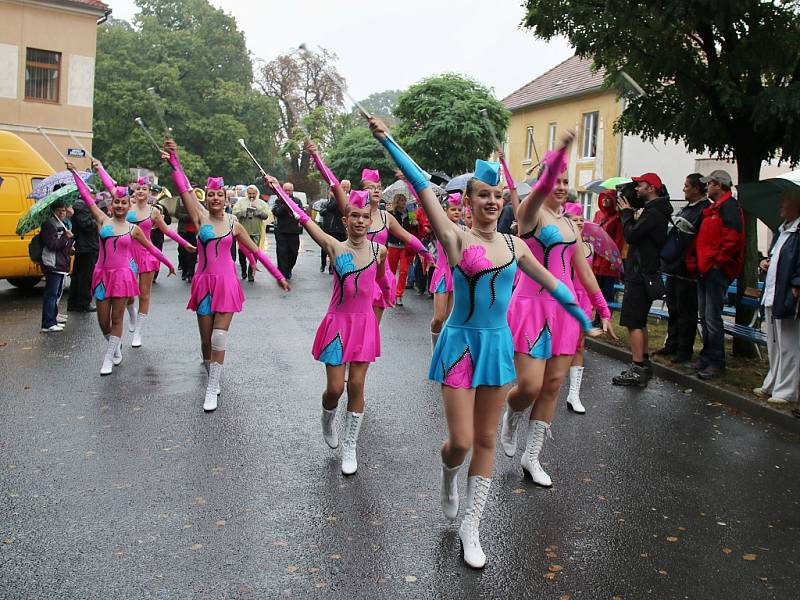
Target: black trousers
[287,245]
[186,260]
[80,286]
[323,256]
[682,307]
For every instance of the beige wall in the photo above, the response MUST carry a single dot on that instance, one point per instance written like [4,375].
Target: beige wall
[71,31]
[567,113]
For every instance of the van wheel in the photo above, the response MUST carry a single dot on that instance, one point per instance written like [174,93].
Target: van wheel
[24,283]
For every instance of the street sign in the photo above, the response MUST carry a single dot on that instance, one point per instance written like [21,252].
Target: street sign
[78,152]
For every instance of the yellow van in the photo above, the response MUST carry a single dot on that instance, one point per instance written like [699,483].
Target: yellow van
[21,168]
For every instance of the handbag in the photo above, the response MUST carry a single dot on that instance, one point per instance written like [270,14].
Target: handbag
[654,286]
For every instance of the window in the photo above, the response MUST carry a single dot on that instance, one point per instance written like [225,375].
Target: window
[42,75]
[589,147]
[551,136]
[585,200]
[529,144]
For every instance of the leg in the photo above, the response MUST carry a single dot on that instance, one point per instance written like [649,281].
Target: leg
[575,378]
[104,316]
[145,288]
[355,386]
[117,315]
[773,354]
[488,406]
[638,342]
[687,319]
[788,367]
[673,296]
[330,401]
[50,299]
[282,254]
[205,325]
[701,311]
[717,289]
[355,415]
[219,342]
[402,275]
[459,408]
[323,259]
[530,374]
[378,313]
[393,255]
[442,304]
[294,249]
[243,264]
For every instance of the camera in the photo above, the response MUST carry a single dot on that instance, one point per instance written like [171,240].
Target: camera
[628,192]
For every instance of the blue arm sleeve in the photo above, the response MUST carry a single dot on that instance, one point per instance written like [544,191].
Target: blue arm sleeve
[565,298]
[410,169]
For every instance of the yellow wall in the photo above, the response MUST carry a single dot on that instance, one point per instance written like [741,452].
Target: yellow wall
[71,31]
[567,113]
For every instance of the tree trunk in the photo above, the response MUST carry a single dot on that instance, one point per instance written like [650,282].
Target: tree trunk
[749,169]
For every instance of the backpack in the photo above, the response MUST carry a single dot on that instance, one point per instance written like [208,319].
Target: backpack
[679,238]
[35,248]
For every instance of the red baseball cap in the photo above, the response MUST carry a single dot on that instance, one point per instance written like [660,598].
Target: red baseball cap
[650,178]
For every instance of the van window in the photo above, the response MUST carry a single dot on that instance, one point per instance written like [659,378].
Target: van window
[11,200]
[36,181]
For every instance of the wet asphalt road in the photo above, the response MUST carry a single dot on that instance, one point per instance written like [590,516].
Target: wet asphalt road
[120,487]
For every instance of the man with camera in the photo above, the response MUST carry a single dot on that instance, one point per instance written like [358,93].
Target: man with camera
[251,211]
[681,280]
[644,221]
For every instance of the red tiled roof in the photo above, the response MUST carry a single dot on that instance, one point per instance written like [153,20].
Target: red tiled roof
[571,77]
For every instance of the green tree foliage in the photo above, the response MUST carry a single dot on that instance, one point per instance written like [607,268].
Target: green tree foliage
[442,126]
[722,77]
[196,59]
[381,104]
[357,150]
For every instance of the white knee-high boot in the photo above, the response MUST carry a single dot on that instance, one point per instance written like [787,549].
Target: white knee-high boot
[574,397]
[450,491]
[212,388]
[509,429]
[329,433]
[131,308]
[537,430]
[112,342]
[468,533]
[136,342]
[352,426]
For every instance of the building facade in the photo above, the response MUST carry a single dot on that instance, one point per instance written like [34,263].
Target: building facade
[47,64]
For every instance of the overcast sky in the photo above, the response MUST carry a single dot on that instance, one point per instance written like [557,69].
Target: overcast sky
[389,45]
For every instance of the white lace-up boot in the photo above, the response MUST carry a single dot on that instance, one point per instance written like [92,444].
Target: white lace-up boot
[537,430]
[508,432]
[136,342]
[450,491]
[212,388]
[468,533]
[131,308]
[574,397]
[112,342]
[352,425]
[329,433]
[117,359]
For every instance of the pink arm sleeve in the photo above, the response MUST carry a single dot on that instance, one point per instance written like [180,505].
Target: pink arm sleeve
[389,292]
[176,238]
[553,168]
[157,253]
[412,190]
[273,270]
[600,304]
[301,216]
[178,176]
[417,247]
[323,169]
[249,255]
[507,174]
[83,189]
[108,183]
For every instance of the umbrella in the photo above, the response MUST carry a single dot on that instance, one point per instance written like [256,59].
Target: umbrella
[459,182]
[317,206]
[400,187]
[603,244]
[37,214]
[598,186]
[523,189]
[761,198]
[47,185]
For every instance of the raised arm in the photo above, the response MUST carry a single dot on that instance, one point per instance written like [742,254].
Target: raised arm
[554,164]
[512,187]
[159,222]
[83,189]
[253,252]
[447,232]
[138,235]
[328,176]
[409,239]
[589,283]
[190,202]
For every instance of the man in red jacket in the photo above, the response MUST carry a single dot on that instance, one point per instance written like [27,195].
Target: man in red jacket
[719,256]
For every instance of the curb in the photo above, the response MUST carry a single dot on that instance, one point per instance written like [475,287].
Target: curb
[732,399]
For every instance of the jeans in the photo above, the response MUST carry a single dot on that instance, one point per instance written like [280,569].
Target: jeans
[80,285]
[712,289]
[53,286]
[682,307]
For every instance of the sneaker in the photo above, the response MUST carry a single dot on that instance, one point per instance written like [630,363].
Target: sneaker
[761,392]
[399,301]
[710,372]
[61,318]
[776,400]
[53,329]
[636,376]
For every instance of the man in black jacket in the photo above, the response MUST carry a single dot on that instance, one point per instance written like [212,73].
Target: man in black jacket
[645,235]
[287,232]
[682,284]
[84,228]
[332,223]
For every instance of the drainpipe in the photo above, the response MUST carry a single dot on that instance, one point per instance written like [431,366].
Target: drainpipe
[105,16]
[619,142]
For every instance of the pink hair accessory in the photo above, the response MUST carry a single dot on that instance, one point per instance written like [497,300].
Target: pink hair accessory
[467,210]
[454,199]
[215,183]
[573,209]
[143,181]
[371,175]
[120,191]
[359,198]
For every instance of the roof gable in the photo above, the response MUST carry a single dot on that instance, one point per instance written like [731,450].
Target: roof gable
[571,77]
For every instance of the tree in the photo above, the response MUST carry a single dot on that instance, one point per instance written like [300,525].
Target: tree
[381,104]
[722,77]
[195,57]
[307,89]
[358,150]
[441,124]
